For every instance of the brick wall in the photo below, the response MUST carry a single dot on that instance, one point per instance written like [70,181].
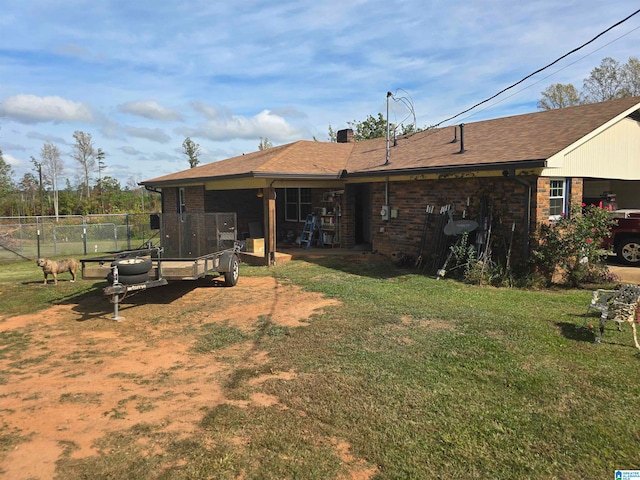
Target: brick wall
[194,199]
[403,235]
[541,206]
[169,200]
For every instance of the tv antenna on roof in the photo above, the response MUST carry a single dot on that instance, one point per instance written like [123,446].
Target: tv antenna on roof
[408,103]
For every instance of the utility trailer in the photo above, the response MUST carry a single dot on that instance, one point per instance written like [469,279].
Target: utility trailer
[133,271]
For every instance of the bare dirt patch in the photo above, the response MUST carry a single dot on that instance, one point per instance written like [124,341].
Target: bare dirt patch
[83,375]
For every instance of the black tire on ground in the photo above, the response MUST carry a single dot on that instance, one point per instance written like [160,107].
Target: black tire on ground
[231,277]
[628,251]
[132,266]
[129,279]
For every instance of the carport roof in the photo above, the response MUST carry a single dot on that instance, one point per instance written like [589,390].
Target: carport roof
[518,141]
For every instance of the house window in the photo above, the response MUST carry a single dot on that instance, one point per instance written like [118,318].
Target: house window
[557,198]
[298,204]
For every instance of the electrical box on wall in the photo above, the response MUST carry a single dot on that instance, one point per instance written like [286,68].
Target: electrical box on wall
[385,212]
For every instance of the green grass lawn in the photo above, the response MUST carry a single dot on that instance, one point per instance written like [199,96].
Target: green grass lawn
[423,378]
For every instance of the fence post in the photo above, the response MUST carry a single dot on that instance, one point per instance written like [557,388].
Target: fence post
[126,215]
[38,234]
[115,235]
[84,233]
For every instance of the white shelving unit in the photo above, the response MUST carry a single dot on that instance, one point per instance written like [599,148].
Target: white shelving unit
[330,217]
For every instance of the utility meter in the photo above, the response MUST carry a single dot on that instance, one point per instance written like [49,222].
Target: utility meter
[384,212]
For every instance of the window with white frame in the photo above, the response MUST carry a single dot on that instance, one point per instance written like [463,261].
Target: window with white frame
[557,198]
[297,204]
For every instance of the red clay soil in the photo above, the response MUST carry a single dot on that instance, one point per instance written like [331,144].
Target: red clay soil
[83,377]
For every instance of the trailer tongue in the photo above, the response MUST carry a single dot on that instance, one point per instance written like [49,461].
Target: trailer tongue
[137,270]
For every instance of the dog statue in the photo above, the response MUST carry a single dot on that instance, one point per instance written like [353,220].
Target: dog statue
[54,268]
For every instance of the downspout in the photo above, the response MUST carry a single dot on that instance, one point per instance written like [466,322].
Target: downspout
[386,191]
[159,192]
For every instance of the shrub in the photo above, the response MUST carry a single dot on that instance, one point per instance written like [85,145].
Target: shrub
[572,247]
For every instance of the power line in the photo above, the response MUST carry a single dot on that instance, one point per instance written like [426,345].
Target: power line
[539,70]
[552,74]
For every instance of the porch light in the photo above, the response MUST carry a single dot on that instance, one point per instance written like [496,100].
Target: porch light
[259,194]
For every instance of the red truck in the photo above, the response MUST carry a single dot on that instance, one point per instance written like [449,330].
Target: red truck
[625,236]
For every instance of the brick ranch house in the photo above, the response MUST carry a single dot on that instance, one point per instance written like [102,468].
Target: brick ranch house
[527,169]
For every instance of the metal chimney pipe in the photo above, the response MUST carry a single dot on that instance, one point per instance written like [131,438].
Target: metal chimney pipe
[462,150]
[386,162]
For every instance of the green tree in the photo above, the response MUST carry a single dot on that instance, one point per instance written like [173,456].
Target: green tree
[112,193]
[191,150]
[559,95]
[100,156]
[37,167]
[6,174]
[371,127]
[606,82]
[29,189]
[631,77]
[333,135]
[264,144]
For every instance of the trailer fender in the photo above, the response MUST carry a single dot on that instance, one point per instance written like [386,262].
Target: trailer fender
[226,261]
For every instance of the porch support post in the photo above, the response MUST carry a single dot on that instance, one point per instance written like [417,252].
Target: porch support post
[270,225]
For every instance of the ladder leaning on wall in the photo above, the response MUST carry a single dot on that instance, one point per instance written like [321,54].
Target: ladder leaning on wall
[309,229]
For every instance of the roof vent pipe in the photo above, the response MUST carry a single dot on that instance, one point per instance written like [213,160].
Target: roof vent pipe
[462,150]
[455,135]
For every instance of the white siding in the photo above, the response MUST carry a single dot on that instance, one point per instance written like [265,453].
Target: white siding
[612,153]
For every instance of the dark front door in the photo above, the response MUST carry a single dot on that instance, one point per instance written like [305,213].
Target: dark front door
[362,214]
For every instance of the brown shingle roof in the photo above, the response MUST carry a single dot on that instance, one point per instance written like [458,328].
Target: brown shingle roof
[521,138]
[302,158]
[532,137]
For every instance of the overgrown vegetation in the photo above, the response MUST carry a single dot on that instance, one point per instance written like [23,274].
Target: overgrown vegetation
[568,252]
[409,377]
[571,247]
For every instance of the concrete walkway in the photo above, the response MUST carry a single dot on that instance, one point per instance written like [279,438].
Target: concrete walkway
[626,274]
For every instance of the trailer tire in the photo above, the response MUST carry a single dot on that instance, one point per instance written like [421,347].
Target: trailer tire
[132,266]
[129,279]
[231,277]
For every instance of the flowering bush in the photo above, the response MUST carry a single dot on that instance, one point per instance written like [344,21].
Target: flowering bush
[572,246]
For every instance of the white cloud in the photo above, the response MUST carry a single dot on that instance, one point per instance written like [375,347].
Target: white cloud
[47,138]
[264,124]
[210,112]
[13,161]
[153,134]
[130,150]
[34,109]
[149,109]
[312,64]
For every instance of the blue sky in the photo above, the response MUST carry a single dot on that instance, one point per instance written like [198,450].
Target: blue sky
[140,76]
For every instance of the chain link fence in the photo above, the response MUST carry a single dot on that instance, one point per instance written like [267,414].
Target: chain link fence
[182,235]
